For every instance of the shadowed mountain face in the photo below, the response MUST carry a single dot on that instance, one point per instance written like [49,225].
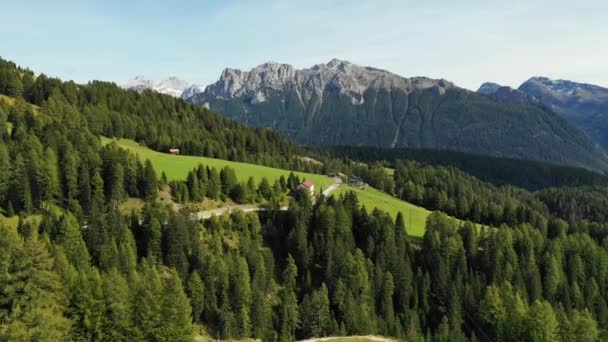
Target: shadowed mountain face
[340,103]
[585,105]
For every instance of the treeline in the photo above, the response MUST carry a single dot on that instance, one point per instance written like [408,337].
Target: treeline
[207,182]
[155,120]
[575,204]
[454,192]
[466,197]
[530,175]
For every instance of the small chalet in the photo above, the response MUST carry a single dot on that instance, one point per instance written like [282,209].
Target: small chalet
[308,186]
[174,151]
[336,174]
[356,182]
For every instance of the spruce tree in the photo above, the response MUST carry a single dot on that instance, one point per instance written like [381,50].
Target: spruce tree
[176,312]
[196,292]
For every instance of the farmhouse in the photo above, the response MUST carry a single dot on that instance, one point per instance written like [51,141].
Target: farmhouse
[308,186]
[356,182]
[336,174]
[174,151]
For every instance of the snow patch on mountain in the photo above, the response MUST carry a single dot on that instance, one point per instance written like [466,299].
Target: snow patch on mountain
[192,90]
[171,86]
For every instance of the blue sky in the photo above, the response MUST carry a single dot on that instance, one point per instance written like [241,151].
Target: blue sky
[467,42]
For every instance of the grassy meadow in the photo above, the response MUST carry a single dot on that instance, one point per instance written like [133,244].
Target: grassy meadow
[177,167]
[415,217]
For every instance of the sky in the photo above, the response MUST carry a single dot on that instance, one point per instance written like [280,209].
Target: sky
[467,42]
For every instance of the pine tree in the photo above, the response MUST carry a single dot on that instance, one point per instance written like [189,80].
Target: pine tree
[147,301]
[196,291]
[70,180]
[21,187]
[87,306]
[241,296]
[261,310]
[116,184]
[264,189]
[150,182]
[32,301]
[315,314]
[176,312]
[228,179]
[5,164]
[215,184]
[542,323]
[289,304]
[387,309]
[70,238]
[51,188]
[117,322]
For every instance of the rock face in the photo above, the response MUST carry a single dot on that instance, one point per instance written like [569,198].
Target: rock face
[340,103]
[340,77]
[171,86]
[585,105]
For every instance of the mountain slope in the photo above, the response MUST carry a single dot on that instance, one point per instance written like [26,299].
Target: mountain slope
[340,103]
[585,105]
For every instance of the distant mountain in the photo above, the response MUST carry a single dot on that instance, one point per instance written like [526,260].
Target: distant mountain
[488,88]
[340,103]
[191,90]
[585,105]
[171,86]
[506,94]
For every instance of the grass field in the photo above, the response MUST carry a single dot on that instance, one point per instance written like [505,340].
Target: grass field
[415,217]
[177,167]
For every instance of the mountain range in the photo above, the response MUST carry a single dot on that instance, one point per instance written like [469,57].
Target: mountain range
[341,103]
[171,86]
[584,105]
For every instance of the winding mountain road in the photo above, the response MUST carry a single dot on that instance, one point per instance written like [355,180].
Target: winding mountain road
[248,208]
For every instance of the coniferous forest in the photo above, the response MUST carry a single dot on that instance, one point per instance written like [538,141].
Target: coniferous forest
[498,262]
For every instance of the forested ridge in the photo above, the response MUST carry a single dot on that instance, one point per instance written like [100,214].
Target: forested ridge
[158,121]
[527,174]
[84,271]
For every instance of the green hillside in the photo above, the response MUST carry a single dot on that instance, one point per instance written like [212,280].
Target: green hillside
[177,167]
[415,217]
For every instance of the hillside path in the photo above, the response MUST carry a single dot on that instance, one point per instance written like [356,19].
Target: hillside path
[334,186]
[248,208]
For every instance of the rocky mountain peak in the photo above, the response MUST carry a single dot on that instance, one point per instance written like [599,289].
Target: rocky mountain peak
[337,75]
[488,88]
[171,86]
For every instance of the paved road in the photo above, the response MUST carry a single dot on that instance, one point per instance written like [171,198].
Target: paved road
[205,214]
